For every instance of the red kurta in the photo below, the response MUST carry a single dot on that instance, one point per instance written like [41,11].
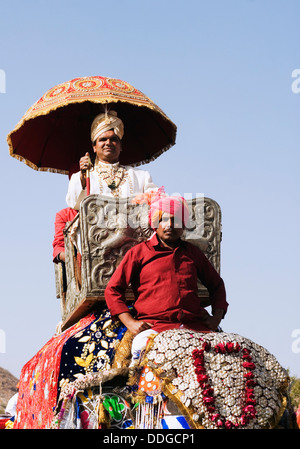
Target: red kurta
[165,285]
[61,219]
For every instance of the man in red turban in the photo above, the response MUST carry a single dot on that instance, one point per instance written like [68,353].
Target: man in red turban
[163,272]
[172,205]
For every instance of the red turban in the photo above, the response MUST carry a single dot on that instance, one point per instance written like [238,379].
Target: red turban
[172,205]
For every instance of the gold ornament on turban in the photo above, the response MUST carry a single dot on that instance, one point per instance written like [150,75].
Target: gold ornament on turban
[104,122]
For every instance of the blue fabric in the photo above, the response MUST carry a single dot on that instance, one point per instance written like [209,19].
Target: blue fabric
[99,332]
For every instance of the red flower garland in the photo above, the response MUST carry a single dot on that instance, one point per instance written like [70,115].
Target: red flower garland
[248,410]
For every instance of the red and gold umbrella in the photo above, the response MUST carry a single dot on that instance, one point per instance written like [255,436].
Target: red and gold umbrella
[55,132]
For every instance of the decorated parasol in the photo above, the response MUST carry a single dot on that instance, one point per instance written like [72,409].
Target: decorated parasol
[55,132]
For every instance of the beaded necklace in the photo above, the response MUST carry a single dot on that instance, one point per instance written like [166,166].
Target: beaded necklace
[114,175]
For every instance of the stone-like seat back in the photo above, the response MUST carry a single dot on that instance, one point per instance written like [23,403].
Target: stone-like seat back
[108,227]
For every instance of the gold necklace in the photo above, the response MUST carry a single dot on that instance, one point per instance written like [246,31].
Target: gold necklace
[112,174]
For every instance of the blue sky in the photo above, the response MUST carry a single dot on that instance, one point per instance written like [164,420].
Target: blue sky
[222,71]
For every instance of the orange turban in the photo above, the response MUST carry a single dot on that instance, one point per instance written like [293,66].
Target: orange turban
[172,205]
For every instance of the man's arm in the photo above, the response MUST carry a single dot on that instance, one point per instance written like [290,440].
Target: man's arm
[133,325]
[59,238]
[75,192]
[213,321]
[211,279]
[116,290]
[61,218]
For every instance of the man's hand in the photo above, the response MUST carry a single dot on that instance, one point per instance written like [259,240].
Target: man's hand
[134,326]
[212,322]
[84,164]
[62,256]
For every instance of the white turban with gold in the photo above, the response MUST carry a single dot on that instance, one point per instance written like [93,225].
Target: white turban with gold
[105,122]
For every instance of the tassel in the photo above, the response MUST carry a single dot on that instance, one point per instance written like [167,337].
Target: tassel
[149,414]
[103,417]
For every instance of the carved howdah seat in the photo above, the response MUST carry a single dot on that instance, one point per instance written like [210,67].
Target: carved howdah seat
[98,238]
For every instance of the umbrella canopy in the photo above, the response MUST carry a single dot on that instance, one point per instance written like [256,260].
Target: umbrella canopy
[55,132]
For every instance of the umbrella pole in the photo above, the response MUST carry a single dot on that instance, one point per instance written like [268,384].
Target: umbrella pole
[88,183]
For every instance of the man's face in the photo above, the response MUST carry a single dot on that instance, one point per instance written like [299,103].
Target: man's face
[169,229]
[107,147]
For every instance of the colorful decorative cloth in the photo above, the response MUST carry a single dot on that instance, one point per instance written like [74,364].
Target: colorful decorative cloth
[91,349]
[87,403]
[86,347]
[213,380]
[174,422]
[183,380]
[38,385]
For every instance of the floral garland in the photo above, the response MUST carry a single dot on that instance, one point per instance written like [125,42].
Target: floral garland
[248,410]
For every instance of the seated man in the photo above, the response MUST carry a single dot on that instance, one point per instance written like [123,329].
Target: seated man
[163,273]
[107,177]
[61,219]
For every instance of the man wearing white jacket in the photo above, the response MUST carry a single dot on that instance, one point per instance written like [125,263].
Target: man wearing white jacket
[107,177]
